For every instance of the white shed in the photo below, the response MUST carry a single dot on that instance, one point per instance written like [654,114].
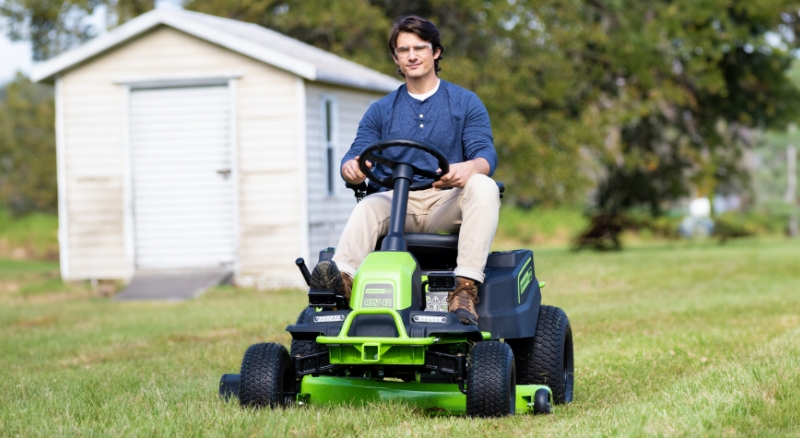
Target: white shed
[191,141]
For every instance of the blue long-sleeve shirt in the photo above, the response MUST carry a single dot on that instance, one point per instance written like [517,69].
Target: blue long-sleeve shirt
[453,119]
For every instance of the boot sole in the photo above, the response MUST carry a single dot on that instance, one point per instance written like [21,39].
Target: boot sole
[326,275]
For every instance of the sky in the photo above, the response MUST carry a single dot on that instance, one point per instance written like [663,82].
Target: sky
[16,56]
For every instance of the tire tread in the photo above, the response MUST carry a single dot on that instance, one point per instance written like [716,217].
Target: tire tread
[488,377]
[540,358]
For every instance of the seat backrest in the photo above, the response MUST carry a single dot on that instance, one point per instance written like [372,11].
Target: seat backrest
[432,251]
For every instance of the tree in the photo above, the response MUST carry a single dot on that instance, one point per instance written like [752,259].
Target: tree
[53,27]
[693,79]
[27,147]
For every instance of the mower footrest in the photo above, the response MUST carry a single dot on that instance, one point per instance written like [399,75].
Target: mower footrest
[312,364]
[326,299]
[446,363]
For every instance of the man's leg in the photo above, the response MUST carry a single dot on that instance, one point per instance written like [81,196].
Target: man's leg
[476,208]
[369,220]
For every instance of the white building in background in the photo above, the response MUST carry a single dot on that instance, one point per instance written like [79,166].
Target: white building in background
[191,141]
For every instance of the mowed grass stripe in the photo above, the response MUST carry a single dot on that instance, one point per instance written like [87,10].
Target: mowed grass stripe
[672,340]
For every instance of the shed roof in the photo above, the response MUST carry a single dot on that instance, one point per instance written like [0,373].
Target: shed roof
[248,39]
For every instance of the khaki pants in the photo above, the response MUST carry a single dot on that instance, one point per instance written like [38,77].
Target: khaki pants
[474,210]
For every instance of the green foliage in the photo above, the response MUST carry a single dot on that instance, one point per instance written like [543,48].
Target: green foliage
[691,80]
[731,226]
[27,148]
[757,222]
[353,29]
[701,340]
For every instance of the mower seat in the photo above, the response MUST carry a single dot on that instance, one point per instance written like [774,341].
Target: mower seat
[432,251]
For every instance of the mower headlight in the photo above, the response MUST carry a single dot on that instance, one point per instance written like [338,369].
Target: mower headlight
[329,318]
[432,319]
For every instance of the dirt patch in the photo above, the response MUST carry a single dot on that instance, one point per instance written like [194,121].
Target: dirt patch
[208,337]
[117,352]
[37,322]
[27,252]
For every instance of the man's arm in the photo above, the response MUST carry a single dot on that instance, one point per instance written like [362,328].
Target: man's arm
[478,144]
[460,173]
[477,138]
[369,131]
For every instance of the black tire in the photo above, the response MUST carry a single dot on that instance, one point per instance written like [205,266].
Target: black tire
[541,402]
[491,380]
[305,348]
[547,358]
[266,376]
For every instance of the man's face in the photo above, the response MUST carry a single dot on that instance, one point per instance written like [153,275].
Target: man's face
[415,64]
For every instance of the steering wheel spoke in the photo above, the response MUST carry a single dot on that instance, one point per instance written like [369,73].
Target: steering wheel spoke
[426,173]
[372,154]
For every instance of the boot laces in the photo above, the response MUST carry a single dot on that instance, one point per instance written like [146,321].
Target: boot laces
[465,295]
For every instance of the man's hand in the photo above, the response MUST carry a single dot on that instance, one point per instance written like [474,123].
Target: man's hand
[460,173]
[351,172]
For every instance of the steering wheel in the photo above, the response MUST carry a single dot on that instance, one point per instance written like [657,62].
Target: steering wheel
[371,153]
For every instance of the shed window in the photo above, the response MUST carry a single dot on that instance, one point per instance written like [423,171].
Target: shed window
[329,133]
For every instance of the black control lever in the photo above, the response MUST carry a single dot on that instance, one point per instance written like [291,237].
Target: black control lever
[360,190]
[301,265]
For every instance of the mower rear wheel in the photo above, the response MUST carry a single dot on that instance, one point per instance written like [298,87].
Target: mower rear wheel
[547,357]
[266,376]
[491,380]
[305,348]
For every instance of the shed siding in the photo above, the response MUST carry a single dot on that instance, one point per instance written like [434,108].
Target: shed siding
[94,142]
[328,215]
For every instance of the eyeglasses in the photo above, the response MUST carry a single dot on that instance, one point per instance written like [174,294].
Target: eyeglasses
[403,51]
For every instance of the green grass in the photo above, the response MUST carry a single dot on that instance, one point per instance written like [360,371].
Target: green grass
[681,340]
[34,236]
[538,226]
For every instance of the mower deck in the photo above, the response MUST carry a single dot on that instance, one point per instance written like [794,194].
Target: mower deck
[432,398]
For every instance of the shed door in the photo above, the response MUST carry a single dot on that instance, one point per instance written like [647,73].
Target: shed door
[183,189]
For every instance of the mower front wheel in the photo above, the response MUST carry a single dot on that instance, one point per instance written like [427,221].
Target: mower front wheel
[305,347]
[266,376]
[491,380]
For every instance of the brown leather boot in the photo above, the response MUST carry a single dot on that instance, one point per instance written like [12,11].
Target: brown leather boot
[326,275]
[462,301]
[347,287]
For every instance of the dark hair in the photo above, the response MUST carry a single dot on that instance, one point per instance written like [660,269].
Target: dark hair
[423,29]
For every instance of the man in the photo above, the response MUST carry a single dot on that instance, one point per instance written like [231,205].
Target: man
[446,116]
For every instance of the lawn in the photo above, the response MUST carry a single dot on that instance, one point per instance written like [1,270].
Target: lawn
[671,340]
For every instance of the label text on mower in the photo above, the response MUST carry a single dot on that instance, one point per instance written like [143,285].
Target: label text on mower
[378,295]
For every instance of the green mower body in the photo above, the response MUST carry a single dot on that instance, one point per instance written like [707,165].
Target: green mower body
[397,340]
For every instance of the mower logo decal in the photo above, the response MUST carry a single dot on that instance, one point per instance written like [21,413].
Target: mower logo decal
[378,295]
[524,278]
